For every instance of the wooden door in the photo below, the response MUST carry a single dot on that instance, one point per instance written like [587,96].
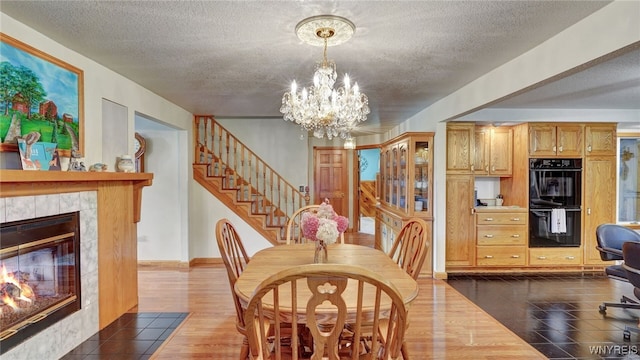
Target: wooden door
[569,140]
[600,139]
[501,151]
[331,179]
[599,201]
[461,238]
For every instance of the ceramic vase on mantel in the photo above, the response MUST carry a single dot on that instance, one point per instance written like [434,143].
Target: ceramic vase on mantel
[125,164]
[320,255]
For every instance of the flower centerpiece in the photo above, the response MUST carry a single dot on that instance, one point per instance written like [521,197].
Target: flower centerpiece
[323,226]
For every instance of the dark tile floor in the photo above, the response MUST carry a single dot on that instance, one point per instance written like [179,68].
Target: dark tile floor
[557,313]
[131,336]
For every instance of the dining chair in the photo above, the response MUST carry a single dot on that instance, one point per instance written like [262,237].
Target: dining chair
[331,303]
[411,247]
[293,234]
[235,259]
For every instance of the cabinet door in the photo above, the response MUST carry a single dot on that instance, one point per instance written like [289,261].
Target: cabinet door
[542,140]
[482,143]
[569,140]
[460,146]
[599,201]
[460,224]
[403,176]
[600,139]
[385,175]
[501,151]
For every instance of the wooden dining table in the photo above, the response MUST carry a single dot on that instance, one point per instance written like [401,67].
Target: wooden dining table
[270,261]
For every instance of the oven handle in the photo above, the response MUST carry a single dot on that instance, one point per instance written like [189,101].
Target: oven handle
[553,170]
[549,210]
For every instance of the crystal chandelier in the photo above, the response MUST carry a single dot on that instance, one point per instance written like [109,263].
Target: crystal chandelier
[321,108]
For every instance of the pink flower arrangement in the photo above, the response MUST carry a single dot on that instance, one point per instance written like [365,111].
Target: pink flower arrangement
[324,225]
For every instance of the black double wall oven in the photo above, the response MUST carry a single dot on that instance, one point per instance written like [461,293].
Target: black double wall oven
[555,188]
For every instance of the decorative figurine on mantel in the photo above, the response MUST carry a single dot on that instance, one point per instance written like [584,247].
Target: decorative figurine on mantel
[76,162]
[98,167]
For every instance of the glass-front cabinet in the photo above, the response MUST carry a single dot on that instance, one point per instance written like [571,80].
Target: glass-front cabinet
[406,177]
[406,174]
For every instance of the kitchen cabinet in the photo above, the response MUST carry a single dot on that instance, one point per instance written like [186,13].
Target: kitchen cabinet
[501,236]
[406,176]
[493,151]
[600,139]
[599,201]
[460,224]
[551,140]
[555,256]
[460,148]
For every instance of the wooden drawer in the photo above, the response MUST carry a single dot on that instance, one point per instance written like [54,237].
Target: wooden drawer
[501,255]
[391,221]
[559,256]
[501,235]
[487,218]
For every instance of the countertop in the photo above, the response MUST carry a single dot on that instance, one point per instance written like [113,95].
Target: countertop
[508,208]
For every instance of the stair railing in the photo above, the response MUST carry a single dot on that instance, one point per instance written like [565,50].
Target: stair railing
[244,171]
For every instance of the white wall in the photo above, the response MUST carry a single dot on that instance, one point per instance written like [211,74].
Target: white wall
[277,142]
[159,229]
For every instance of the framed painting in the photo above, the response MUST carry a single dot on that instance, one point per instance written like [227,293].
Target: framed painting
[39,94]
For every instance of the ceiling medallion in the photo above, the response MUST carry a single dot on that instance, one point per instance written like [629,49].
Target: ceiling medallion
[321,108]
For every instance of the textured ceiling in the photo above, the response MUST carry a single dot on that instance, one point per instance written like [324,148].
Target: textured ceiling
[236,58]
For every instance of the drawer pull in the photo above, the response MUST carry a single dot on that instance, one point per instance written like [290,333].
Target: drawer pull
[488,256]
[488,219]
[515,235]
[570,257]
[515,219]
[488,236]
[542,258]
[515,256]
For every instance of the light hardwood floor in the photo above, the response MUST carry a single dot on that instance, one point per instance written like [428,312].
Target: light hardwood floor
[443,323]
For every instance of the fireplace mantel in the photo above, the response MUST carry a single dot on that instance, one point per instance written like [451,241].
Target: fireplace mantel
[119,197]
[25,183]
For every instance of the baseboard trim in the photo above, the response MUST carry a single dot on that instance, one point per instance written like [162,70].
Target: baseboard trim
[440,275]
[205,261]
[162,264]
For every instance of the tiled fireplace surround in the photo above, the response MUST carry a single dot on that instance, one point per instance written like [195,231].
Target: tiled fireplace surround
[58,339]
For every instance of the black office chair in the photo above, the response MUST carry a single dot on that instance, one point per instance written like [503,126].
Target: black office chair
[610,238]
[631,254]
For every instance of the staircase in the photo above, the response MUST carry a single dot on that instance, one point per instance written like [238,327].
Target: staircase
[243,181]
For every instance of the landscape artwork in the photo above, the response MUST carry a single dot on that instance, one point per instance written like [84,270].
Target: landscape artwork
[39,94]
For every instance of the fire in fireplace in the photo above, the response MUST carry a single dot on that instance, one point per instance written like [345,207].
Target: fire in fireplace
[39,275]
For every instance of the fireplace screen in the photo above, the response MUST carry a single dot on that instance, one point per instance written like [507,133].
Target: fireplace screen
[39,275]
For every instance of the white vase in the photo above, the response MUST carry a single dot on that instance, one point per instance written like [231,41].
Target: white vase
[125,164]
